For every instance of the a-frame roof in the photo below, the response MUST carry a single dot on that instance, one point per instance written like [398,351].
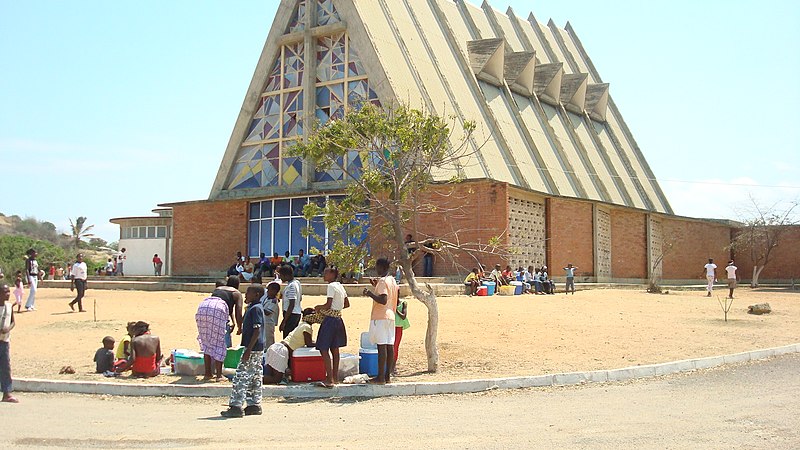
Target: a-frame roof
[546,121]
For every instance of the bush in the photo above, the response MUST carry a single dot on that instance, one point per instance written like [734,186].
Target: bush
[12,254]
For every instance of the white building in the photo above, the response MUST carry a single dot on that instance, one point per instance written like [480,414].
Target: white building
[143,238]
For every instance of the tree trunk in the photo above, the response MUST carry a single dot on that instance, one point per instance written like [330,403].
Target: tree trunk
[429,300]
[756,273]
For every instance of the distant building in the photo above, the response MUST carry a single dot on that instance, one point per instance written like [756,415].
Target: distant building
[555,171]
[143,237]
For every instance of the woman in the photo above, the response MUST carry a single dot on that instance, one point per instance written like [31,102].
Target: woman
[212,322]
[32,273]
[332,334]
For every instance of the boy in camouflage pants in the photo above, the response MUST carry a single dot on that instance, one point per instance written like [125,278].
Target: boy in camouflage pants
[247,381]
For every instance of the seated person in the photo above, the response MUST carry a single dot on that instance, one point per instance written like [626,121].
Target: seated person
[123,354]
[548,286]
[508,274]
[104,356]
[276,358]
[274,264]
[232,270]
[245,271]
[303,264]
[289,261]
[473,281]
[497,276]
[145,352]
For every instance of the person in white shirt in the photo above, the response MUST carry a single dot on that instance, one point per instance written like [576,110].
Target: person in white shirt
[121,263]
[732,277]
[711,275]
[332,334]
[77,276]
[292,296]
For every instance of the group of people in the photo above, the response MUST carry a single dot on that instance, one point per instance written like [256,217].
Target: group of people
[138,351]
[710,273]
[302,265]
[265,361]
[534,280]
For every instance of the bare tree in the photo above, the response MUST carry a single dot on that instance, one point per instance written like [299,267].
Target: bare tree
[762,230]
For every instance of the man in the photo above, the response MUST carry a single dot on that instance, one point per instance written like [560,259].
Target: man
[303,264]
[121,257]
[381,327]
[145,352]
[78,275]
[248,378]
[732,277]
[711,275]
[157,265]
[275,263]
[233,299]
[570,270]
[292,296]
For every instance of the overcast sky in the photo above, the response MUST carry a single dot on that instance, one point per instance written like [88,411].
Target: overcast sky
[108,108]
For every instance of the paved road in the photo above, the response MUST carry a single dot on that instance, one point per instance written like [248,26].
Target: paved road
[753,405]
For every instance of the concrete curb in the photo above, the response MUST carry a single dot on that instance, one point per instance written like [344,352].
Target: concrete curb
[308,391]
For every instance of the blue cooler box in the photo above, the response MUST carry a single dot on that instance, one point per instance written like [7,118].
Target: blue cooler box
[490,285]
[369,361]
[518,287]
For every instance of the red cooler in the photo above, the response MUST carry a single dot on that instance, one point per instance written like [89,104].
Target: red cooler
[307,365]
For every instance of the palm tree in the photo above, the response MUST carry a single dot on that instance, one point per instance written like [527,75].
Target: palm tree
[79,231]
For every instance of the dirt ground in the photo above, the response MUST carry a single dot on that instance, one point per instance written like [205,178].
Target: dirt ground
[478,337]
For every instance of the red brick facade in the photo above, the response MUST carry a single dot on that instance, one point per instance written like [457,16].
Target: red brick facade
[570,235]
[207,235]
[784,262]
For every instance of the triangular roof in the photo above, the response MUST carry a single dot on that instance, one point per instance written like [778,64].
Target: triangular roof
[545,119]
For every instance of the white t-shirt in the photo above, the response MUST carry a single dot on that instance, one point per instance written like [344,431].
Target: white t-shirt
[710,267]
[731,272]
[79,271]
[121,258]
[6,309]
[293,291]
[337,292]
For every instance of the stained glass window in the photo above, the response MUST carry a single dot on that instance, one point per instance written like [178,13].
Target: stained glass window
[326,13]
[331,58]
[299,18]
[293,65]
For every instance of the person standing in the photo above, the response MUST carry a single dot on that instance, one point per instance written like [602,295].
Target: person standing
[570,270]
[249,375]
[711,275]
[32,273]
[157,265]
[292,296]
[332,333]
[733,279]
[121,263]
[233,298]
[7,323]
[78,275]
[212,320]
[381,326]
[400,323]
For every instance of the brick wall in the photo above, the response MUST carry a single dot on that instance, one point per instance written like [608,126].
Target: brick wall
[570,233]
[628,244]
[468,213]
[784,260]
[693,242]
[207,236]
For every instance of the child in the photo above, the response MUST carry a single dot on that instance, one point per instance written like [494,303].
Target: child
[332,334]
[570,270]
[400,323]
[18,291]
[473,281]
[123,354]
[7,323]
[271,312]
[276,360]
[248,378]
[292,297]
[104,356]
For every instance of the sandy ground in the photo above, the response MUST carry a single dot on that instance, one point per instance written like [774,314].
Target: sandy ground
[727,407]
[478,337]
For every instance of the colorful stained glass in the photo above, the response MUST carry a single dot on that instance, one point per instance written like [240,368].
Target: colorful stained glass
[270,172]
[330,58]
[354,67]
[292,169]
[298,21]
[293,114]
[266,120]
[293,65]
[354,165]
[335,173]
[330,103]
[274,79]
[326,13]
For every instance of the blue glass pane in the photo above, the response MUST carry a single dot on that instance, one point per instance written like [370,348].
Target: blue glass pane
[266,237]
[297,206]
[281,236]
[252,239]
[255,210]
[266,209]
[319,228]
[298,240]
[281,208]
[361,222]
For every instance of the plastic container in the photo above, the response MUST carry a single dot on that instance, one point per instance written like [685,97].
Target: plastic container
[506,290]
[490,285]
[482,291]
[187,362]
[369,361]
[348,365]
[307,365]
[518,287]
[233,357]
[366,343]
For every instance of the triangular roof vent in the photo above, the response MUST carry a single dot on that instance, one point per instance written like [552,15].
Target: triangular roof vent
[487,59]
[547,82]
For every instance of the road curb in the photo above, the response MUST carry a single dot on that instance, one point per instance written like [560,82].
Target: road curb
[402,389]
